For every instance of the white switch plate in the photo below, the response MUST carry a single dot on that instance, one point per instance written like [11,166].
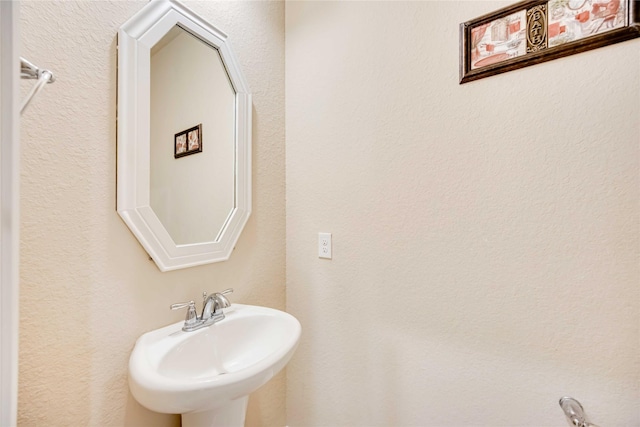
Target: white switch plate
[324,245]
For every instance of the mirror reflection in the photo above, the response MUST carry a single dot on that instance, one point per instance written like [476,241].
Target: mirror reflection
[192,147]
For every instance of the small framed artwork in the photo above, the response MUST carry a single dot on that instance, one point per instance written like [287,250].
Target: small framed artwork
[188,142]
[535,31]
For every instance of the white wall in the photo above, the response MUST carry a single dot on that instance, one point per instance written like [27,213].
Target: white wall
[485,257]
[88,289]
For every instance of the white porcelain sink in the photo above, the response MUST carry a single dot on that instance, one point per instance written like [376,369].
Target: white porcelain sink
[207,375]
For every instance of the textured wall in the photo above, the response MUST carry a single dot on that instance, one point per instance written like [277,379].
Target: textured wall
[485,257]
[87,286]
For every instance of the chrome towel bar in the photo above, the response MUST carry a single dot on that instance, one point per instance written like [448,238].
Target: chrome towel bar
[30,71]
[574,412]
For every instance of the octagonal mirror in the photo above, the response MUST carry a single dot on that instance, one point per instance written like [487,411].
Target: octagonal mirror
[184,137]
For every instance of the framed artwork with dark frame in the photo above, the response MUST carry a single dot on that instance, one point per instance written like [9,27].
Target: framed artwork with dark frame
[188,142]
[535,31]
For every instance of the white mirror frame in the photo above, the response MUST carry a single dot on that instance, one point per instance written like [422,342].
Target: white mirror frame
[135,40]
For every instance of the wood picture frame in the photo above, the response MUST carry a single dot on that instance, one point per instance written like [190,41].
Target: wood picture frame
[534,31]
[188,142]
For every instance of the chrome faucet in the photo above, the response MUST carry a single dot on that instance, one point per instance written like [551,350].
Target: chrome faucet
[214,303]
[212,310]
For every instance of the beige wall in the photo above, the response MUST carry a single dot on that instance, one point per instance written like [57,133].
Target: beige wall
[485,236]
[87,287]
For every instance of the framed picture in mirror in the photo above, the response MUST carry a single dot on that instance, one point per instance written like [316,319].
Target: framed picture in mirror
[188,142]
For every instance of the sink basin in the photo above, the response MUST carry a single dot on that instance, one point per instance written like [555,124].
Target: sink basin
[207,375]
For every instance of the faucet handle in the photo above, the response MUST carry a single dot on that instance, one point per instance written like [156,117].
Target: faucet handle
[179,305]
[192,316]
[226,291]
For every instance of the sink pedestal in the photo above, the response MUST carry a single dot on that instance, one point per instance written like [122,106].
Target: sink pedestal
[229,415]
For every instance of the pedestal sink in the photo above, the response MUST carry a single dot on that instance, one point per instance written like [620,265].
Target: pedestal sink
[208,374]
